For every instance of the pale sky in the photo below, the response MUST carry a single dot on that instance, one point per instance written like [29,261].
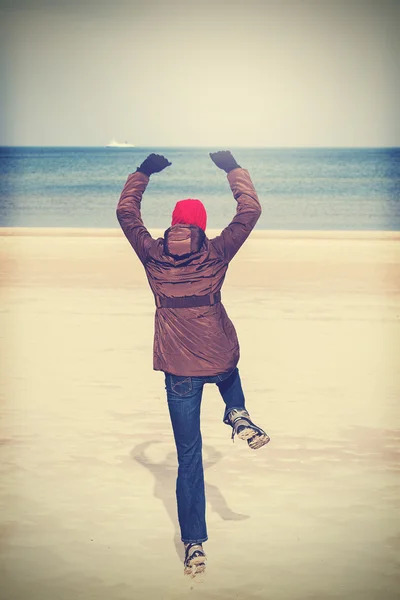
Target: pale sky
[216,74]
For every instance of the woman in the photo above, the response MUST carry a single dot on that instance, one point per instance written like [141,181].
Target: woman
[194,340]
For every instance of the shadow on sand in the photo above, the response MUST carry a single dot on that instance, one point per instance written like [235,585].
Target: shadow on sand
[165,474]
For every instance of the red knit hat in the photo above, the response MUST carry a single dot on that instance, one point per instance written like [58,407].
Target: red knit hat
[191,212]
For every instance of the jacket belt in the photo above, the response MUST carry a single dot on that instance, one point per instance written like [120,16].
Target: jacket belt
[187,301]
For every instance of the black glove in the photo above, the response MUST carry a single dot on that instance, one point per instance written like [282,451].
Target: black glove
[224,160]
[154,163]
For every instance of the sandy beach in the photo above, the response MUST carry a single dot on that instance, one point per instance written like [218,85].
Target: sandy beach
[88,462]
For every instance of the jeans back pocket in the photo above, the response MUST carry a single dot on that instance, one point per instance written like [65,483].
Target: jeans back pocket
[179,385]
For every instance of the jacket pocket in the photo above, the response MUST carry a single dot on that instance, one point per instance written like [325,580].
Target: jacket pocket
[179,385]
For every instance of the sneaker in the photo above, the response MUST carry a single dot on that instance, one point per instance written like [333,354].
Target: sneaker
[195,559]
[245,429]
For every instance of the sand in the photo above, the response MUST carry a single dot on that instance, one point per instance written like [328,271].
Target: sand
[88,462]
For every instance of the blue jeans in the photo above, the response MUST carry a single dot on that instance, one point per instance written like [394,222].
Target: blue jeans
[184,399]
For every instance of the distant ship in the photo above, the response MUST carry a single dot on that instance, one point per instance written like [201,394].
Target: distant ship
[115,144]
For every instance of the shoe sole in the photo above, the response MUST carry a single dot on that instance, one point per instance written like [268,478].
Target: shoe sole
[258,441]
[254,441]
[195,565]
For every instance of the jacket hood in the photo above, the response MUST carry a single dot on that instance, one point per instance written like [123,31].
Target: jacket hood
[182,240]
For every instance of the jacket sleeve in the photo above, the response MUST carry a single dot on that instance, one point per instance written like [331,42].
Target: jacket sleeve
[129,217]
[247,214]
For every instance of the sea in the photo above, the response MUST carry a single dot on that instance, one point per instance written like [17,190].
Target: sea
[298,188]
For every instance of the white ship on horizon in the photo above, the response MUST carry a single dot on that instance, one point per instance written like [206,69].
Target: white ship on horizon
[115,144]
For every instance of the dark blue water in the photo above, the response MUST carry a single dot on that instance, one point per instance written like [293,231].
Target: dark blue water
[342,189]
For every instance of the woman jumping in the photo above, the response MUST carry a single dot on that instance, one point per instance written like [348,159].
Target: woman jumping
[195,342]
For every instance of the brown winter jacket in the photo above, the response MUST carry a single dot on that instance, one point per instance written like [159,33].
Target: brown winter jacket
[200,340]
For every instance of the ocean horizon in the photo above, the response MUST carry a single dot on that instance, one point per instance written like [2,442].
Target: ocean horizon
[299,188]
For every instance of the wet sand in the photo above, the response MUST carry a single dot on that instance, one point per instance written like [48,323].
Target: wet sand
[87,489]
